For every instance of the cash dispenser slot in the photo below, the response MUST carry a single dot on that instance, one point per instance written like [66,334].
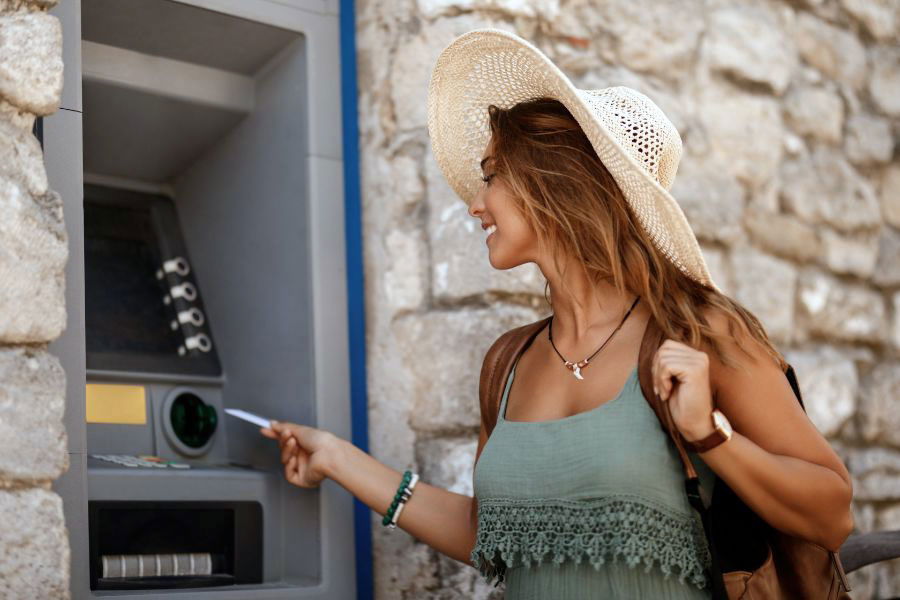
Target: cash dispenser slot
[163,545]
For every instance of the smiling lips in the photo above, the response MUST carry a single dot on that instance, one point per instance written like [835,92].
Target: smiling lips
[490,231]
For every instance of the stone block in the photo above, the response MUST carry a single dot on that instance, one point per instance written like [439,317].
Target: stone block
[405,279]
[545,9]
[31,66]
[839,310]
[448,462]
[746,43]
[869,140]
[816,112]
[890,195]
[745,130]
[887,267]
[712,200]
[32,402]
[34,547]
[443,352]
[828,385]
[884,82]
[783,235]
[879,411]
[879,17]
[21,158]
[765,285]
[12,6]
[850,253]
[867,460]
[895,327]
[888,518]
[822,188]
[33,254]
[651,36]
[834,51]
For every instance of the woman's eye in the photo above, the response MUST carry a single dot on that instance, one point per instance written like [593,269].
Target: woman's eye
[487,179]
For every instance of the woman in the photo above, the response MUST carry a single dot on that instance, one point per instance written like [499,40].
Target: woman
[580,492]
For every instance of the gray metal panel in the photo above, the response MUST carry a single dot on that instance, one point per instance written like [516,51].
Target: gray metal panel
[107,438]
[329,291]
[62,157]
[324,110]
[72,488]
[270,7]
[170,133]
[69,14]
[243,207]
[183,32]
[319,23]
[253,191]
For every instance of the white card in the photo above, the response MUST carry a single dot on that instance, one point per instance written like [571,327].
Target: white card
[248,416]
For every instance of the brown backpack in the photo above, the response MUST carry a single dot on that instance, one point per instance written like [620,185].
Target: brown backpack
[750,558]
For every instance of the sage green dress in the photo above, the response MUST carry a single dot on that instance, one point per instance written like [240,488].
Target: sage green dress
[590,506]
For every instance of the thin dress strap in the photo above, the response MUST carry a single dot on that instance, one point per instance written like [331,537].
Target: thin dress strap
[501,412]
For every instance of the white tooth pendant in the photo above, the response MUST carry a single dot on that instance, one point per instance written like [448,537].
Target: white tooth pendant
[576,368]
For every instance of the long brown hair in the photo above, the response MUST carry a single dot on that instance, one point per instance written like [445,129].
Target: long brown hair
[577,209]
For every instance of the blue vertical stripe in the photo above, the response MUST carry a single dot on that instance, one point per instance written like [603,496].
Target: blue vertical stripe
[356,316]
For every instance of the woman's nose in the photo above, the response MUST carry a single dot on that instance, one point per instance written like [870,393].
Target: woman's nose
[477,206]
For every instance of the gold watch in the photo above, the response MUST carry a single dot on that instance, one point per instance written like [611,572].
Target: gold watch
[721,433]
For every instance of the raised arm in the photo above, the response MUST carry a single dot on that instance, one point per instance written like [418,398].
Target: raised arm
[444,520]
[776,461]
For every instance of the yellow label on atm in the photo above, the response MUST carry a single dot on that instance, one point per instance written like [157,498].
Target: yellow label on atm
[116,404]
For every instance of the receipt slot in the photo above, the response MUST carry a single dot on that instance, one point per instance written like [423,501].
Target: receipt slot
[198,154]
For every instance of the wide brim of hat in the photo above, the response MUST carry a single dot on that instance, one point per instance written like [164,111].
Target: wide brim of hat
[493,66]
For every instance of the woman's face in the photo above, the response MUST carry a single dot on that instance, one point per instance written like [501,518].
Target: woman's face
[510,242]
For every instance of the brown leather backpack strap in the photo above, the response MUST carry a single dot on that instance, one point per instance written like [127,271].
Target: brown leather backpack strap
[652,340]
[497,364]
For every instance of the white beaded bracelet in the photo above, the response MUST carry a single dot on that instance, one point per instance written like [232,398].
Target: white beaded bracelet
[405,497]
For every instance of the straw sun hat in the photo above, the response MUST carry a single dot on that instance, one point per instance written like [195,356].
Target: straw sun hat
[632,137]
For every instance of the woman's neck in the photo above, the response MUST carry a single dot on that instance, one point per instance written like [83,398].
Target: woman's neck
[582,307]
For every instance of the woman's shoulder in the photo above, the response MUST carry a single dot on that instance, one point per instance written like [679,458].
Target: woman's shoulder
[520,332]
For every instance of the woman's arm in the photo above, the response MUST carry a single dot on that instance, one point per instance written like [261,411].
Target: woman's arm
[444,520]
[776,461]
[797,496]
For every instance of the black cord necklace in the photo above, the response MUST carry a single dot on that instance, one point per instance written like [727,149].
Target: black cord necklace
[576,367]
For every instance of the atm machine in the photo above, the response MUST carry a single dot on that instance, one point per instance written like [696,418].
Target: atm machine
[197,150]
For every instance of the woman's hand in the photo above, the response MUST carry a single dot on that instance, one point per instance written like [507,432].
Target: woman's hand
[689,395]
[306,452]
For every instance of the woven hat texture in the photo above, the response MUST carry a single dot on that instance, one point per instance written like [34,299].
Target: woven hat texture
[633,138]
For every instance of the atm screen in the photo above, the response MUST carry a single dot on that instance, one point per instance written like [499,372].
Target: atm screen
[121,258]
[143,310]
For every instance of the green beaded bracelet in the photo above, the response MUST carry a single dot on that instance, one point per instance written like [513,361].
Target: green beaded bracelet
[388,517]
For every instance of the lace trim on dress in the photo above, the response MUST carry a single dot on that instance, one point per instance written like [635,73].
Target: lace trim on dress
[514,531]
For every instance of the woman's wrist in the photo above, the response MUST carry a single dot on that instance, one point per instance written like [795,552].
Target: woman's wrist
[335,454]
[699,430]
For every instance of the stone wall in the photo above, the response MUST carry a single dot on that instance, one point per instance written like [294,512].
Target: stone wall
[34,549]
[789,112]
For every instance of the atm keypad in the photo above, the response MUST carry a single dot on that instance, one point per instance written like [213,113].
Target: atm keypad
[127,460]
